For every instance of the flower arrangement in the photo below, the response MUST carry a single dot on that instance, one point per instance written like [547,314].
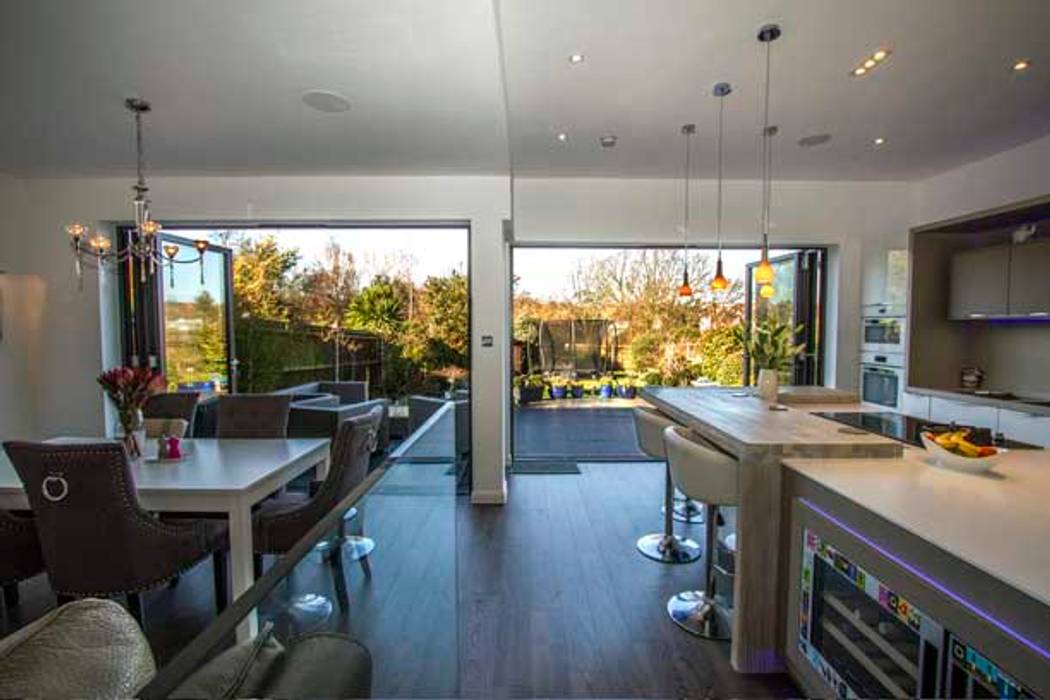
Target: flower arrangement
[129,388]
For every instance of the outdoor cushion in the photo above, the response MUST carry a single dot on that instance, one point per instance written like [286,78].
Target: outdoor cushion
[87,648]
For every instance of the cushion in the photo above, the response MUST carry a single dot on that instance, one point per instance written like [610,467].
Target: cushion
[237,672]
[87,648]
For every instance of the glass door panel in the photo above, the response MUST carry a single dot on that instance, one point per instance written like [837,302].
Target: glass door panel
[196,315]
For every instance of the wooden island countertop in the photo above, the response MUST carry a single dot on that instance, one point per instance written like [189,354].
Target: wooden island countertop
[761,439]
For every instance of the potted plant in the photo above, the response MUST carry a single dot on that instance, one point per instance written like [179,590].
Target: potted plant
[129,388]
[559,387]
[772,349]
[530,388]
[627,388]
[576,390]
[606,387]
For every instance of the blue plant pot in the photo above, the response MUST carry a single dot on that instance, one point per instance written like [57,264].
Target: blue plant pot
[605,391]
[577,391]
[626,392]
[559,392]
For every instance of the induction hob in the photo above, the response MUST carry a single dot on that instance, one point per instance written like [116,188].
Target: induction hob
[906,429]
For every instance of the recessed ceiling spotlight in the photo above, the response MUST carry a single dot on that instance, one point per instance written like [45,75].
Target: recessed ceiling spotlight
[326,101]
[879,141]
[562,136]
[607,141]
[576,59]
[871,62]
[1022,64]
[814,140]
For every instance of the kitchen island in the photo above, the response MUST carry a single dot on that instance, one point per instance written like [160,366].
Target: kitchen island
[743,426]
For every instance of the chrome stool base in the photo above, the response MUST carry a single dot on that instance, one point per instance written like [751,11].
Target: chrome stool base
[309,612]
[669,550]
[358,546]
[698,615]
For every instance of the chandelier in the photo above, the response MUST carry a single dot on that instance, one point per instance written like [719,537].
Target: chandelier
[765,274]
[143,246]
[719,283]
[685,291]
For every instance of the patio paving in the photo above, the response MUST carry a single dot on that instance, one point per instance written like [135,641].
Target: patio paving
[604,433]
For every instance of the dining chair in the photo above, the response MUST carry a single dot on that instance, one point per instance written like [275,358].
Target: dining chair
[165,427]
[20,555]
[252,416]
[95,537]
[180,405]
[282,521]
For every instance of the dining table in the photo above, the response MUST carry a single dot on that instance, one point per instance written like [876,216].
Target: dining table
[222,476]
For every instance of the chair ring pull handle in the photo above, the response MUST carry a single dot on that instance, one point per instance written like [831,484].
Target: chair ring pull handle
[55,488]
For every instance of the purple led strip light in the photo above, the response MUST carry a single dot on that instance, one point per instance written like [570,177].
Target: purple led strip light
[926,578]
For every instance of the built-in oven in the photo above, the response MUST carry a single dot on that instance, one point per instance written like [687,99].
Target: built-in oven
[882,378]
[883,328]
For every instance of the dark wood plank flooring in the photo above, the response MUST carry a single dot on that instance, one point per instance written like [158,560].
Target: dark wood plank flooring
[556,602]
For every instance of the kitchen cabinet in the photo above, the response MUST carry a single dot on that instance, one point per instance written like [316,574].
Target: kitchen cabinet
[980,285]
[1026,427]
[964,413]
[1030,279]
[915,405]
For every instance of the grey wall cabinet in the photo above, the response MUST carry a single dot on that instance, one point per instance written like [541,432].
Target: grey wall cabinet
[980,284]
[1030,279]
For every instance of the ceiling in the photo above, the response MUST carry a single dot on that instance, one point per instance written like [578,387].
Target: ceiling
[426,85]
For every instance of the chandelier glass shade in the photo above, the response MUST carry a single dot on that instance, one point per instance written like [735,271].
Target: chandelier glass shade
[95,249]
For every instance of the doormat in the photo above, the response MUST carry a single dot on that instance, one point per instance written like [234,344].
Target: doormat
[544,466]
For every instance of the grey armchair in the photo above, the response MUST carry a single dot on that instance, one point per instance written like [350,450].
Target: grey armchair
[20,555]
[95,538]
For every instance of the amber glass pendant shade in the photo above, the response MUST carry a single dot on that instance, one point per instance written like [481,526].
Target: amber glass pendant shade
[685,290]
[766,291]
[764,273]
[719,283]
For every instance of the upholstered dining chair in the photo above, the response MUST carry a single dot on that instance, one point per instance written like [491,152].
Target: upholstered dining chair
[96,539]
[177,405]
[282,521]
[252,416]
[170,427]
[20,555]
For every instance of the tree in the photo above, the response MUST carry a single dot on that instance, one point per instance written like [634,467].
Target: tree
[327,289]
[263,282]
[438,335]
[381,307]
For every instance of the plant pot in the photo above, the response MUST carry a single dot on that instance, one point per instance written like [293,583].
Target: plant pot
[559,392]
[577,391]
[768,385]
[528,394]
[626,392]
[605,391]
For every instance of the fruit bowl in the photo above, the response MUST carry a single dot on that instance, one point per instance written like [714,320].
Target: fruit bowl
[951,460]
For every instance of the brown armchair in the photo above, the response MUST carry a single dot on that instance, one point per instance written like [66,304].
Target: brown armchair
[96,539]
[252,416]
[20,555]
[281,522]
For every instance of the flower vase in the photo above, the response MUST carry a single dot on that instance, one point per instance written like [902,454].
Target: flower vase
[134,427]
[768,385]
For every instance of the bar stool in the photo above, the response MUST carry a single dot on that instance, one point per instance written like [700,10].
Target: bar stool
[707,475]
[662,546]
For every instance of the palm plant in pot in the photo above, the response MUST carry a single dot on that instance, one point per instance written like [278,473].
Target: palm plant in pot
[771,347]
[559,387]
[627,388]
[606,387]
[530,387]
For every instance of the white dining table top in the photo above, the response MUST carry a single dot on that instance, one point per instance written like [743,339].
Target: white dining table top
[212,466]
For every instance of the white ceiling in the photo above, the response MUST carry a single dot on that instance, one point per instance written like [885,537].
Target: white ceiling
[424,80]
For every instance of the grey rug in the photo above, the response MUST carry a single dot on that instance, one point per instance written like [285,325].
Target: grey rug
[544,466]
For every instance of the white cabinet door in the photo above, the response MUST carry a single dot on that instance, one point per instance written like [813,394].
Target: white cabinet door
[915,405]
[948,411]
[1025,427]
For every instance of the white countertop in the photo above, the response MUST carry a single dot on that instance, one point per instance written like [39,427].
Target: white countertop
[998,522]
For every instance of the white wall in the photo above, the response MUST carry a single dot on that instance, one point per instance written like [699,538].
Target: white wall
[859,220]
[75,337]
[1012,176]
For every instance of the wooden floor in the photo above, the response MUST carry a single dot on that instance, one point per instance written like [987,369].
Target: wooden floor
[543,597]
[556,602]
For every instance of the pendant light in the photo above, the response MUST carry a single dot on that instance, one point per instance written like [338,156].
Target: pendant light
[719,283]
[685,291]
[764,273]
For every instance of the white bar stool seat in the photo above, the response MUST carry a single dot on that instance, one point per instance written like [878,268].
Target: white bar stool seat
[707,475]
[663,546]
